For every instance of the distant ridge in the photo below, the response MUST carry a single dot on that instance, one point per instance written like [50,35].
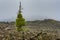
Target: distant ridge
[37,24]
[49,23]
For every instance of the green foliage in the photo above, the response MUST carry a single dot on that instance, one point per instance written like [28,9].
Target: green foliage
[19,15]
[20,21]
[23,29]
[19,29]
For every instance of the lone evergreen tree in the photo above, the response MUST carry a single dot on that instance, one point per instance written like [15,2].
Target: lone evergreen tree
[20,21]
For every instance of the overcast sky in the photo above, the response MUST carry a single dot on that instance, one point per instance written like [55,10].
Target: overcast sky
[32,9]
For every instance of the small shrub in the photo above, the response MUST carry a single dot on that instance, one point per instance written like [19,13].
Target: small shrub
[20,21]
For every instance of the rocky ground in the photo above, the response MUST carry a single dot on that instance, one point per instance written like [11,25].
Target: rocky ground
[37,30]
[28,35]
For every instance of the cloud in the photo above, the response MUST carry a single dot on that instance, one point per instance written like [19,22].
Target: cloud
[32,9]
